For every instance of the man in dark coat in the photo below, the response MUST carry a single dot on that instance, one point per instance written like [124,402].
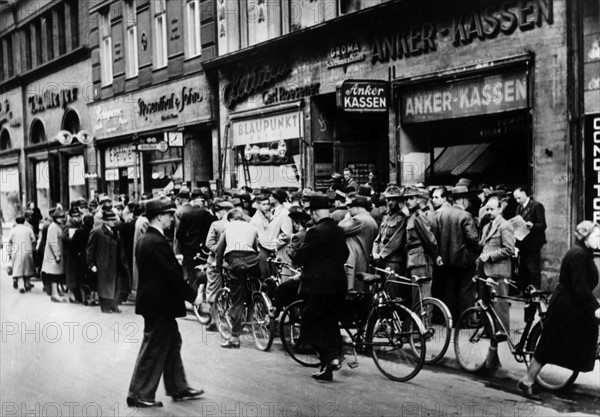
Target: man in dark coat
[73,268]
[192,231]
[161,297]
[323,285]
[530,247]
[459,247]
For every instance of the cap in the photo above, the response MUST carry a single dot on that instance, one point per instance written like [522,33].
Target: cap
[393,191]
[296,213]
[411,192]
[318,202]
[460,191]
[158,206]
[108,215]
[280,195]
[184,192]
[74,211]
[359,201]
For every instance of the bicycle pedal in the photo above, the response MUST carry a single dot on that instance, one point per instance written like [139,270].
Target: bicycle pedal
[353,364]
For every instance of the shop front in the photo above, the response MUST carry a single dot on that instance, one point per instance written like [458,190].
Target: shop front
[11,141]
[59,149]
[155,139]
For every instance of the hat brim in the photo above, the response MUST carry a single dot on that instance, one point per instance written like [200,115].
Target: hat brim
[299,216]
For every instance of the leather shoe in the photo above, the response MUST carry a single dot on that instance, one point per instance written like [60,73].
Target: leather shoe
[230,344]
[115,309]
[136,402]
[324,375]
[527,391]
[212,328]
[187,394]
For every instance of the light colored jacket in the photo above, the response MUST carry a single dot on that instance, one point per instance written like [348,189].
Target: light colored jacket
[54,251]
[21,241]
[498,242]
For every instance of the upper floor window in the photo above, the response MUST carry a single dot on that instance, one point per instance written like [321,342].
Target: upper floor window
[27,32]
[193,47]
[60,27]
[306,13]
[131,50]
[74,21]
[49,24]
[349,6]
[106,62]
[37,28]
[2,72]
[160,33]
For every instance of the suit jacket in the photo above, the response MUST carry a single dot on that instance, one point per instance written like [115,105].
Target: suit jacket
[536,214]
[498,242]
[184,208]
[162,291]
[192,230]
[457,237]
[360,231]
[322,254]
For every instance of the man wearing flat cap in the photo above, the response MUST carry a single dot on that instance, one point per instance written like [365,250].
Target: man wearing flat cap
[323,285]
[105,257]
[161,297]
[458,242]
[388,247]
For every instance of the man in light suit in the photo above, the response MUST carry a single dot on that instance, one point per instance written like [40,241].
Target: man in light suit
[498,246]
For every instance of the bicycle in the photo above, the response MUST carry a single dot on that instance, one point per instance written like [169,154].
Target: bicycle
[256,312]
[434,314]
[392,333]
[476,332]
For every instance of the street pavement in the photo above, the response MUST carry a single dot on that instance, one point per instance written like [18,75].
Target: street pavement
[71,360]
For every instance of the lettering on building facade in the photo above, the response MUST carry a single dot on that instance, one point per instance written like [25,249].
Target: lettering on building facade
[592,166]
[170,102]
[52,99]
[245,84]
[291,92]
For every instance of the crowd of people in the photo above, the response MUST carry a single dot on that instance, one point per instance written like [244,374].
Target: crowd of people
[89,254]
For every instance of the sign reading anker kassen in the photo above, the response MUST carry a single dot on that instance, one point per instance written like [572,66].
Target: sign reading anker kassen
[363,96]
[592,167]
[476,96]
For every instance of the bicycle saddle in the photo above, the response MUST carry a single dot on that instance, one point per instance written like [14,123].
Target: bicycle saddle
[422,280]
[368,279]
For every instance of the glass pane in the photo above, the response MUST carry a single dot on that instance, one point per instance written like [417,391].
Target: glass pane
[42,175]
[304,13]
[76,171]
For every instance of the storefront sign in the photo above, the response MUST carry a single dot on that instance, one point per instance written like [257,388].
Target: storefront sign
[119,156]
[592,167]
[110,120]
[484,95]
[171,104]
[152,143]
[290,92]
[51,99]
[363,96]
[245,84]
[344,54]
[267,129]
[6,115]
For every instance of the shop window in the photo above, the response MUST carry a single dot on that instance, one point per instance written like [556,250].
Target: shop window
[163,169]
[130,20]
[160,34]
[349,6]
[38,132]
[76,178]
[193,46]
[10,199]
[5,143]
[71,122]
[49,26]
[74,22]
[60,25]
[42,185]
[106,62]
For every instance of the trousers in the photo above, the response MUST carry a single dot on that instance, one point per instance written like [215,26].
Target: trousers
[160,355]
[319,325]
[458,288]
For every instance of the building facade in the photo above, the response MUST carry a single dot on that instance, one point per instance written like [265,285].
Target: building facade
[44,81]
[152,112]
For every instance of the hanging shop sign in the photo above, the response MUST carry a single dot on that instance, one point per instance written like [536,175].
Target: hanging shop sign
[267,129]
[363,96]
[119,156]
[344,54]
[592,166]
[289,93]
[153,143]
[477,96]
[64,137]
[85,137]
[247,83]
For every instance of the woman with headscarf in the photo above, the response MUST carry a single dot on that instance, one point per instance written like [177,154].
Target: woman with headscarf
[570,328]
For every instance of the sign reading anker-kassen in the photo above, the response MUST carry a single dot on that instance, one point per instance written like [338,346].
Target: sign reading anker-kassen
[363,96]
[592,167]
[483,95]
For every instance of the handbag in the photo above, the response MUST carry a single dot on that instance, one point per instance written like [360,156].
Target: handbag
[9,269]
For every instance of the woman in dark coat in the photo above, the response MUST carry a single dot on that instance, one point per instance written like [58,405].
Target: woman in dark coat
[571,329]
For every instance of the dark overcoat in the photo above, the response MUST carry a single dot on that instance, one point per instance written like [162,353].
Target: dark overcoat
[74,269]
[162,291]
[192,230]
[570,329]
[534,213]
[105,252]
[322,254]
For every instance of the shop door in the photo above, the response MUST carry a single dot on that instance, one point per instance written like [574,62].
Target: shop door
[362,157]
[123,181]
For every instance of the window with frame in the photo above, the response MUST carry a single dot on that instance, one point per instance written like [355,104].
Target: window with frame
[193,46]
[160,33]
[27,31]
[2,72]
[74,21]
[130,21]
[106,62]
[263,20]
[349,6]
[60,25]
[37,28]
[48,21]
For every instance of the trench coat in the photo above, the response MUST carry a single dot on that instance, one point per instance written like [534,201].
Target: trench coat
[570,329]
[105,252]
[21,241]
[53,250]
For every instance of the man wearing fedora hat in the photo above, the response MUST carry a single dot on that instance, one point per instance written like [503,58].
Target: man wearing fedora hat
[161,297]
[53,262]
[388,247]
[360,229]
[323,285]
[458,242]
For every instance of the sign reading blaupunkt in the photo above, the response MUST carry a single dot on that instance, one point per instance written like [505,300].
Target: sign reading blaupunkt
[592,167]
[363,96]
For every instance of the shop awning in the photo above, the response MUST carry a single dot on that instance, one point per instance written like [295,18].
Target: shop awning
[462,159]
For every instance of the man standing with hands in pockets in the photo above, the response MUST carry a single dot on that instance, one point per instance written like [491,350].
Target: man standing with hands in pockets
[161,297]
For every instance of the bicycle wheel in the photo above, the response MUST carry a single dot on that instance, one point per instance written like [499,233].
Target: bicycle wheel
[397,343]
[473,338]
[222,306]
[437,321]
[289,331]
[551,377]
[261,321]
